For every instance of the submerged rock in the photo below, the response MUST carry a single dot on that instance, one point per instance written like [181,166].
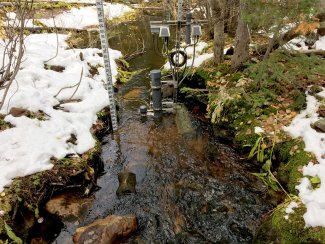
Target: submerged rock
[69,207]
[105,231]
[127,182]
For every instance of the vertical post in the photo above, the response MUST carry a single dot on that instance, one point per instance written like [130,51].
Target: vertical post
[156,90]
[188,28]
[108,72]
[178,39]
[179,10]
[168,10]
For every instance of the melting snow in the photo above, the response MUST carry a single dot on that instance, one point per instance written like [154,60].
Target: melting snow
[320,44]
[314,199]
[258,130]
[297,43]
[28,147]
[80,18]
[290,210]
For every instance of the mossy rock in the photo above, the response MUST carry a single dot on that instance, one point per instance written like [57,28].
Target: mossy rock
[293,158]
[276,229]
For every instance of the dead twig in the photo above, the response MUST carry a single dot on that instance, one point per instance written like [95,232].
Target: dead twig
[69,87]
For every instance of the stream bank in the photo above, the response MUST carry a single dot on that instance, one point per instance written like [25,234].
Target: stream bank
[252,106]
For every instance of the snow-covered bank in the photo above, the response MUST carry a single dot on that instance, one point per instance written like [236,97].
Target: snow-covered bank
[314,199]
[28,147]
[79,18]
[320,44]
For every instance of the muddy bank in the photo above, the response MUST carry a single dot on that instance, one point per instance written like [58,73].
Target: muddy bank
[24,200]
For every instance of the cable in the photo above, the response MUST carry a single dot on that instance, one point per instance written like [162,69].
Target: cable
[191,67]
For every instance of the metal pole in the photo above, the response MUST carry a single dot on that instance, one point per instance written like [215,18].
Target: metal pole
[156,89]
[108,72]
[178,40]
[179,10]
[188,28]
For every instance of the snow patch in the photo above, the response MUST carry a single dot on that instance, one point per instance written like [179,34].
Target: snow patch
[289,209]
[314,199]
[28,147]
[297,43]
[79,18]
[258,130]
[320,44]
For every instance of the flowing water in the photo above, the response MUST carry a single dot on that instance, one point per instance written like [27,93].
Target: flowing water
[190,187]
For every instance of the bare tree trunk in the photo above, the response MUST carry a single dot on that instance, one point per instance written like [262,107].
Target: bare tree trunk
[209,17]
[321,17]
[13,44]
[231,17]
[217,11]
[241,53]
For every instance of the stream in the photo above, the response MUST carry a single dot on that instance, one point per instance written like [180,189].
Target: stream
[190,187]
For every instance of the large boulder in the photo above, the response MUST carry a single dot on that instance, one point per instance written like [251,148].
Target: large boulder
[106,231]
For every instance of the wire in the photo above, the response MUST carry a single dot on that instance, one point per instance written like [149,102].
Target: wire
[191,67]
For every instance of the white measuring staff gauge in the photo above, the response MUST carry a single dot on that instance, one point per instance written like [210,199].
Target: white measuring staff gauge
[108,72]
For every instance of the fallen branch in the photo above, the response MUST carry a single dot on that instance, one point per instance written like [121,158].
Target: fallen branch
[133,55]
[82,71]
[136,53]
[68,87]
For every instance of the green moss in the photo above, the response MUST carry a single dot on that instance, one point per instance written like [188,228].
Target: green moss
[300,101]
[54,5]
[235,77]
[243,139]
[285,150]
[4,124]
[276,229]
[195,94]
[293,158]
[315,89]
[124,76]
[282,69]
[197,79]
[269,110]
